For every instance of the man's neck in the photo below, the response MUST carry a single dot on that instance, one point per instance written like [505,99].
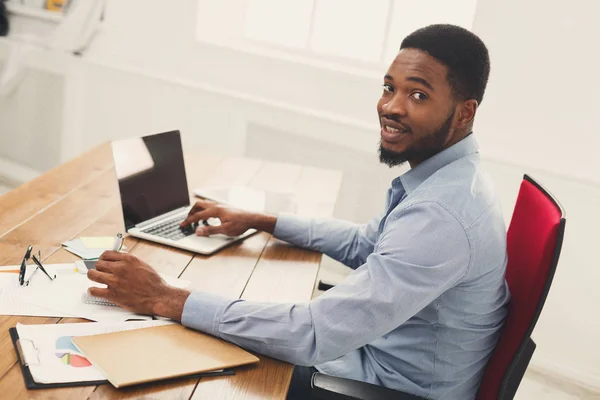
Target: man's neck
[457,137]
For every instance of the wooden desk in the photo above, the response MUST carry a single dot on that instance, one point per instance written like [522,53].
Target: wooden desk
[80,198]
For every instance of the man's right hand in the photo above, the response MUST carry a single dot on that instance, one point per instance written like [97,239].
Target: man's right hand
[234,222]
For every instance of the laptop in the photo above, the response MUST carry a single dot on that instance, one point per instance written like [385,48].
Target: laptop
[154,193]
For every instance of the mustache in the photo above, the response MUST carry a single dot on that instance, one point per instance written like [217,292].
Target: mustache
[396,119]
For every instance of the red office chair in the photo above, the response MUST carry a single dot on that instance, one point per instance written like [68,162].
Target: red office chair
[534,241]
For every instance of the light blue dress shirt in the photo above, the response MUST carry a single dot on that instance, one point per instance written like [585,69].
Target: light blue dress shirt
[422,310]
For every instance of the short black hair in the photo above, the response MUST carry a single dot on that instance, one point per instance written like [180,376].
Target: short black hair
[461,51]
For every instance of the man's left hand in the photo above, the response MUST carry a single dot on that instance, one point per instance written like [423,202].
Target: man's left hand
[136,286]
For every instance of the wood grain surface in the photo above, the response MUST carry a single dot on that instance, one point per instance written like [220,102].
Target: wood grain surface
[80,198]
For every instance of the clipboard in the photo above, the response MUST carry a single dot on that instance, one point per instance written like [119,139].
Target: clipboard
[30,384]
[28,378]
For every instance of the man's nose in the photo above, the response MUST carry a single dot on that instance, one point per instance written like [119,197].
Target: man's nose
[395,105]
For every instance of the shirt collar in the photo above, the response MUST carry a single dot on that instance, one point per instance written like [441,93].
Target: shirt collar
[414,177]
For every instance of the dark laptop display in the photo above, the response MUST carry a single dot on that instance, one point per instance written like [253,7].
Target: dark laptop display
[151,176]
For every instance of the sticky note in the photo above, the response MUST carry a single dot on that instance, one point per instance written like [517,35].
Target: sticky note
[98,242]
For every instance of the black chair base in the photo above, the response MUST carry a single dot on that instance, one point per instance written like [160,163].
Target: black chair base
[324,286]
[325,387]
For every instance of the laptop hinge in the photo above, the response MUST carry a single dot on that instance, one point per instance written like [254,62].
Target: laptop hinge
[162,217]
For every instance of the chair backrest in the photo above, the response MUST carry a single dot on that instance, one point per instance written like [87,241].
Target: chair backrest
[534,241]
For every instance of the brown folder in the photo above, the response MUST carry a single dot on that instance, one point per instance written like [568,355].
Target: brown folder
[162,352]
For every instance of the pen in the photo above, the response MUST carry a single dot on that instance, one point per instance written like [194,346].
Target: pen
[118,242]
[224,372]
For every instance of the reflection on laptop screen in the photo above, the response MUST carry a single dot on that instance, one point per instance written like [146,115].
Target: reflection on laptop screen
[151,176]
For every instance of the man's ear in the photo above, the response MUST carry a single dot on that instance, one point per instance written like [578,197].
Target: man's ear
[466,113]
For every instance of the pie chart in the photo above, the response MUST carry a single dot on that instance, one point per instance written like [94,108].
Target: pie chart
[68,353]
[74,360]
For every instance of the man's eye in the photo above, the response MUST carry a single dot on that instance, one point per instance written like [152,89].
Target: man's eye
[419,96]
[388,88]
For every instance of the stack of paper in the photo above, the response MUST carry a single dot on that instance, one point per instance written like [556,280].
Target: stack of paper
[60,297]
[90,248]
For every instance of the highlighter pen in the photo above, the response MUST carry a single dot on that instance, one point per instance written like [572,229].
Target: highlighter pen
[118,242]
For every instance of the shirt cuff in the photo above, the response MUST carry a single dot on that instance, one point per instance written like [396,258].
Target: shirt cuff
[203,311]
[292,229]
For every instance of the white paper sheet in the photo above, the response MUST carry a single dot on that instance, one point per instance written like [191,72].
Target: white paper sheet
[14,298]
[90,247]
[60,297]
[77,247]
[53,358]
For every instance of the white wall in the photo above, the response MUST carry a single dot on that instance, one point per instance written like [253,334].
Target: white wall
[541,113]
[31,122]
[33,141]
[543,98]
[146,72]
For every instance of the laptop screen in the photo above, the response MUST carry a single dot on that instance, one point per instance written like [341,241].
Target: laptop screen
[151,176]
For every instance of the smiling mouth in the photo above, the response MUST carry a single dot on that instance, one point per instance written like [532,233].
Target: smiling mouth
[394,130]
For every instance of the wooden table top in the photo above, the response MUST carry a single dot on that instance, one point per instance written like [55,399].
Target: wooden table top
[80,198]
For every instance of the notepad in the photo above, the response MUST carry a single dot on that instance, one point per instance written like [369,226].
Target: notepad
[86,298]
[163,352]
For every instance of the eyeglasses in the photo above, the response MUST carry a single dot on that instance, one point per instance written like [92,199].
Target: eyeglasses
[36,260]
[24,265]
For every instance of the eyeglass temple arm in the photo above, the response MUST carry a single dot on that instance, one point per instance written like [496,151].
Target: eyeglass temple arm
[39,264]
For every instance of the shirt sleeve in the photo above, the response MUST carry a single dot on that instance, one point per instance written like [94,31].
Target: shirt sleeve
[344,241]
[420,255]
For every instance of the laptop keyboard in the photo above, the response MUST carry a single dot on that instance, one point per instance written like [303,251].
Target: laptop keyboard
[170,229]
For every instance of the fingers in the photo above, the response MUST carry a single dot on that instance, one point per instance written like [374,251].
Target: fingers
[110,255]
[201,216]
[213,230]
[100,277]
[201,205]
[109,267]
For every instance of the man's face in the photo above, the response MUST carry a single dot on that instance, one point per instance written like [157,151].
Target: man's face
[416,109]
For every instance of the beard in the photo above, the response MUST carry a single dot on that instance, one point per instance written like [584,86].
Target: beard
[423,149]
